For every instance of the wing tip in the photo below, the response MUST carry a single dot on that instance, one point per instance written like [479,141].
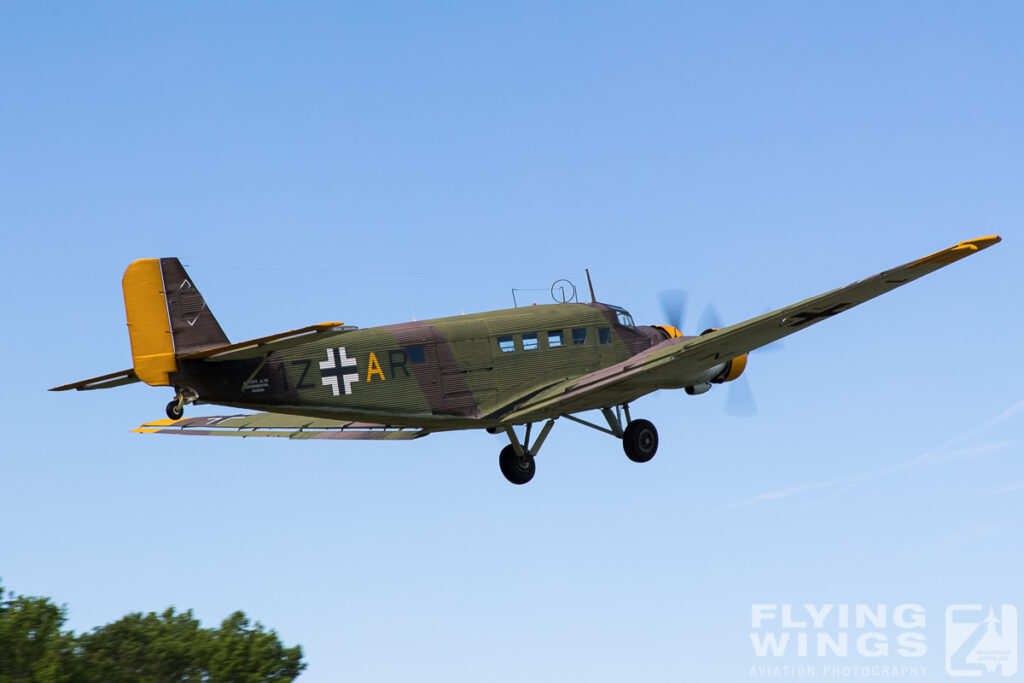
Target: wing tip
[956,252]
[980,243]
[155,425]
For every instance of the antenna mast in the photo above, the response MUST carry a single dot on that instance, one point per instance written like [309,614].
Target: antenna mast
[593,299]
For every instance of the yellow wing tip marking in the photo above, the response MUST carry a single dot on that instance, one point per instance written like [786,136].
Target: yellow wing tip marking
[159,423]
[154,426]
[981,242]
[957,251]
[328,325]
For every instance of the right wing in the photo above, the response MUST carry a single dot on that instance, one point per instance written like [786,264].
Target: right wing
[276,424]
[677,359]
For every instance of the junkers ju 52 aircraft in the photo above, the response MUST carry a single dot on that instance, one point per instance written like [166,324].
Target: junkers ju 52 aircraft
[493,371]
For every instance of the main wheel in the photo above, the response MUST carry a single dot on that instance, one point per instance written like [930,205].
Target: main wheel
[175,411]
[640,441]
[517,470]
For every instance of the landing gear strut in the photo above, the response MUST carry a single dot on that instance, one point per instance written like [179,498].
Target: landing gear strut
[182,397]
[517,459]
[639,441]
[639,437]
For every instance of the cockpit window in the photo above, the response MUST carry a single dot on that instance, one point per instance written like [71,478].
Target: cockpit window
[623,317]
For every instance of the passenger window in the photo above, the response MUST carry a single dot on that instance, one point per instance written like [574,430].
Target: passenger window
[579,335]
[416,354]
[604,335]
[530,341]
[555,338]
[507,344]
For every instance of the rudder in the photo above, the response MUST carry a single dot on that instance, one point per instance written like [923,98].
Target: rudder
[167,317]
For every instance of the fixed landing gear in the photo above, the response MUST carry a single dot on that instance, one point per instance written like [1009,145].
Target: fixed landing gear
[182,397]
[175,410]
[516,460]
[639,441]
[516,469]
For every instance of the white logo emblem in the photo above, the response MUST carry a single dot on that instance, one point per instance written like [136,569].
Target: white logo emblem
[338,371]
[980,641]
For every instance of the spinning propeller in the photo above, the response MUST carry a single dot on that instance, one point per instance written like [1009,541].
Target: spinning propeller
[740,399]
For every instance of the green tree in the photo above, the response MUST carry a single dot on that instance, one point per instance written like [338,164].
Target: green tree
[240,654]
[171,647]
[151,648]
[32,645]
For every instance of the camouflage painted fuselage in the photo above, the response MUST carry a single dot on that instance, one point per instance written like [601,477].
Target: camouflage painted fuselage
[447,373]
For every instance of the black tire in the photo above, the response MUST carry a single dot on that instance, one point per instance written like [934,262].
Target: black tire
[516,469]
[175,411]
[640,441]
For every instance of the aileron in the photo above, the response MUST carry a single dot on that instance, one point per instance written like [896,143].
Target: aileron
[277,425]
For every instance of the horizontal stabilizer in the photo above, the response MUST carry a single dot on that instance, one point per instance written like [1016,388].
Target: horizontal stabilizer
[275,424]
[254,348]
[114,379]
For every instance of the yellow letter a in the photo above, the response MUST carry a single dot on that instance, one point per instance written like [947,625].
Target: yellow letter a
[374,368]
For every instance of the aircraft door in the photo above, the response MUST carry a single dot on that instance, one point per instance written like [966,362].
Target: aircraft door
[467,372]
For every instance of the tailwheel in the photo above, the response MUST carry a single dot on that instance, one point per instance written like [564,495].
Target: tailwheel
[516,469]
[640,440]
[183,396]
[175,410]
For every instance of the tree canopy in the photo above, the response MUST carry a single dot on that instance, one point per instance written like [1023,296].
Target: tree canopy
[169,647]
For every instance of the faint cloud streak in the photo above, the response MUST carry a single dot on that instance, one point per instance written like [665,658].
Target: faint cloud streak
[943,454]
[1008,487]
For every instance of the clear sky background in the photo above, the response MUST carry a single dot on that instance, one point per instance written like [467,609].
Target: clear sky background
[374,162]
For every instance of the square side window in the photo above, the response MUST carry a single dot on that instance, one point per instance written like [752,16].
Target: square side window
[604,335]
[507,344]
[579,335]
[416,354]
[530,341]
[555,338]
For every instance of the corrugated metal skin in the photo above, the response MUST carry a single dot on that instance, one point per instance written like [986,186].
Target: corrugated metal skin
[465,374]
[192,323]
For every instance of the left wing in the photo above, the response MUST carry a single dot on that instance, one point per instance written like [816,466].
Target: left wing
[683,357]
[275,424]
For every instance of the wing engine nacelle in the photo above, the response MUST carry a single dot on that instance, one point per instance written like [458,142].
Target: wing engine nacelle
[723,372]
[732,370]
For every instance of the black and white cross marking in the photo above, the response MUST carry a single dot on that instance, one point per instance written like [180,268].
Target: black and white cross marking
[808,317]
[338,371]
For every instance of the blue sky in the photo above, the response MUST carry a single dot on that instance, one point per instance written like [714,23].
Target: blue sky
[372,163]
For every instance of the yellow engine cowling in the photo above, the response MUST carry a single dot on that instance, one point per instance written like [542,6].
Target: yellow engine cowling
[669,331]
[733,369]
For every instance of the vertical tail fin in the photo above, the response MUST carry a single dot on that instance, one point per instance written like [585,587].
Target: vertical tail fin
[167,316]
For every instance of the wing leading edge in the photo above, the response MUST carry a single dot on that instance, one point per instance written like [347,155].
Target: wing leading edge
[687,356]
